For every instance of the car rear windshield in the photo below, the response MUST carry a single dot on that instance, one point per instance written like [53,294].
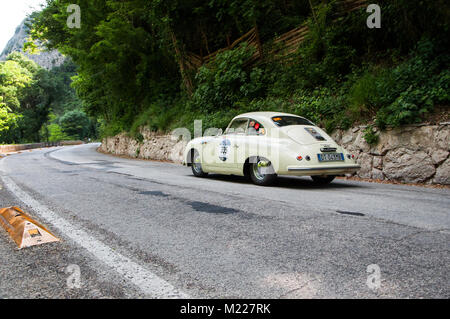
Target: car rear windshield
[290,120]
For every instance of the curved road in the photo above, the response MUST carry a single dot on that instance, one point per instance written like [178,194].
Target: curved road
[150,229]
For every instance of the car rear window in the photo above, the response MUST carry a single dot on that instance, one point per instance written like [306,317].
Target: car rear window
[290,120]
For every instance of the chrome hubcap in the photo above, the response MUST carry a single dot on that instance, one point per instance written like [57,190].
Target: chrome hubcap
[259,168]
[196,163]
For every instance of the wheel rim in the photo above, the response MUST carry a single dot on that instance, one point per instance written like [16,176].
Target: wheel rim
[257,171]
[196,163]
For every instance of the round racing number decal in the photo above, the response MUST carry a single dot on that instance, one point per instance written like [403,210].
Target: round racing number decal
[224,149]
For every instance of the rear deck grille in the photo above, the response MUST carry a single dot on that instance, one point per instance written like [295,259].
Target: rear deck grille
[328,149]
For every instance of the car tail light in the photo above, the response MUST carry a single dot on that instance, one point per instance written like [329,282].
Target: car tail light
[299,158]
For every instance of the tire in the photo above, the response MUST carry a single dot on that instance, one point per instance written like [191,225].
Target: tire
[196,165]
[262,175]
[323,180]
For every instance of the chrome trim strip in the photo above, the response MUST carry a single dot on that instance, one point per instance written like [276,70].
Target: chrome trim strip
[323,168]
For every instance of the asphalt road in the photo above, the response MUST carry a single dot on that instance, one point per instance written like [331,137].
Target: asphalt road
[150,229]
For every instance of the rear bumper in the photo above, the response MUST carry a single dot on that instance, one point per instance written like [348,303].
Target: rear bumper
[323,170]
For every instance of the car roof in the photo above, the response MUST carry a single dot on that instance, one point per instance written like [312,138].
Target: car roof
[264,116]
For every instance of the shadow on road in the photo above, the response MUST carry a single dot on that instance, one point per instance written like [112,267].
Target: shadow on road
[287,182]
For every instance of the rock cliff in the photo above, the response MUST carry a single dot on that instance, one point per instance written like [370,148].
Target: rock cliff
[46,59]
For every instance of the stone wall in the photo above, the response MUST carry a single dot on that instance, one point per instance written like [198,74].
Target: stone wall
[411,154]
[154,146]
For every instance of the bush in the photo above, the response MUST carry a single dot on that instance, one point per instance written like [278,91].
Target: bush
[225,81]
[370,135]
[363,96]
[411,89]
[159,116]
[55,133]
[75,124]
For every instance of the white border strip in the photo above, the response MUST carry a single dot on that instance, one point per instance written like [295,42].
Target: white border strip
[152,285]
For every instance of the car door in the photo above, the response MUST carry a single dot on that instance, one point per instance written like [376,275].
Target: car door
[255,141]
[228,146]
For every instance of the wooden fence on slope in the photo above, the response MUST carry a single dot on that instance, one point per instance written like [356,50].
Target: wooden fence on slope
[282,46]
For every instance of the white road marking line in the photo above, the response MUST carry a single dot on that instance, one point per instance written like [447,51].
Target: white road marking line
[152,285]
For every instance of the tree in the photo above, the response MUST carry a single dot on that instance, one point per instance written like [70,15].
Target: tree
[132,54]
[126,53]
[75,124]
[14,77]
[28,93]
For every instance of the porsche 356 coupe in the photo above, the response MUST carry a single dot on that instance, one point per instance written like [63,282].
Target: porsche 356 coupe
[262,145]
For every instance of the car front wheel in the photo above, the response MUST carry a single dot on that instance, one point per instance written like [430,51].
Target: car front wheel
[261,172]
[197,165]
[323,180]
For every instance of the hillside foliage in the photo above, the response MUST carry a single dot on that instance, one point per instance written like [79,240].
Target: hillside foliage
[35,103]
[128,56]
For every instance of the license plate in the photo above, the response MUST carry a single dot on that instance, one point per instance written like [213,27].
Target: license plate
[330,157]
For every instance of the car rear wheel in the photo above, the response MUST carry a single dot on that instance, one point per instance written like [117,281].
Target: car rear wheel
[323,180]
[261,172]
[197,165]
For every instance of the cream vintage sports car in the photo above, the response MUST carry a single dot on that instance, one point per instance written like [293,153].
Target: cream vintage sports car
[262,145]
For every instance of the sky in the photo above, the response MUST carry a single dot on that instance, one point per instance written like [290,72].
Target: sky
[12,12]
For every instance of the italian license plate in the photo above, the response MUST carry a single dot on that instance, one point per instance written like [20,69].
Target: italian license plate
[330,157]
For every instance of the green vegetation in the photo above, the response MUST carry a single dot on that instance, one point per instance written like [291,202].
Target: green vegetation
[131,72]
[75,123]
[13,77]
[370,135]
[39,105]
